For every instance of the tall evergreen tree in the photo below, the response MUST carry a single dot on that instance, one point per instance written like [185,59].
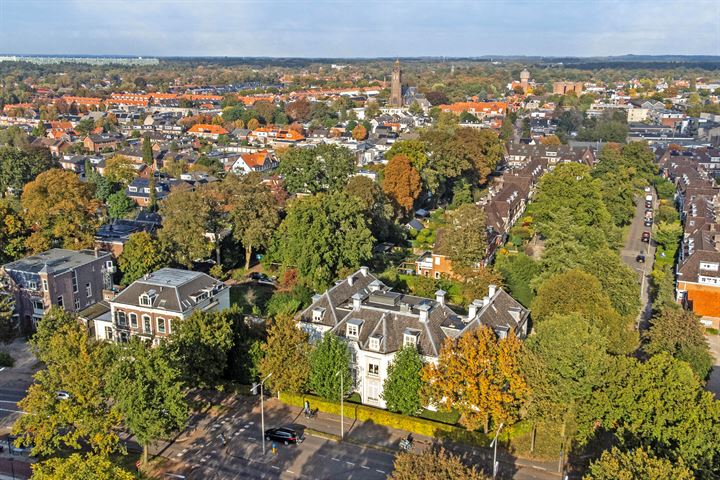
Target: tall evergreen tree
[401,389]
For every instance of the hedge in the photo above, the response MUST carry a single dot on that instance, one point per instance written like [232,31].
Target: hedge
[421,426]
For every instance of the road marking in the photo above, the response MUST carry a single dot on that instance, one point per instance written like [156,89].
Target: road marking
[13,411]
[365,467]
[1,369]
[336,459]
[275,467]
[379,471]
[350,463]
[9,401]
[290,471]
[538,468]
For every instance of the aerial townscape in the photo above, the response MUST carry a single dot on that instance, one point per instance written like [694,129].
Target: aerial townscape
[423,262]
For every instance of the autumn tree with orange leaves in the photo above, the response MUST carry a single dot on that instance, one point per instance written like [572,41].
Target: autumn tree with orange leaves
[479,376]
[359,133]
[402,184]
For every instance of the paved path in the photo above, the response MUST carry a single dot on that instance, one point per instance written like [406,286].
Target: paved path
[14,383]
[633,246]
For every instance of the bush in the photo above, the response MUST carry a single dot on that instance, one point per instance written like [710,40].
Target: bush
[364,413]
[6,360]
[282,303]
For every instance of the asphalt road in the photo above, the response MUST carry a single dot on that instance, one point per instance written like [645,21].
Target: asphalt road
[14,383]
[203,455]
[633,246]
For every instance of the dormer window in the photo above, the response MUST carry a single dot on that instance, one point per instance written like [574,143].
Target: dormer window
[410,338]
[317,314]
[375,342]
[352,330]
[146,299]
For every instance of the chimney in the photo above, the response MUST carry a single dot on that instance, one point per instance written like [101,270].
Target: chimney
[491,290]
[440,297]
[423,309]
[473,309]
[485,301]
[364,271]
[357,301]
[351,280]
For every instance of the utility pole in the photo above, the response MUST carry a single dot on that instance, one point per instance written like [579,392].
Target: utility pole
[494,445]
[262,409]
[342,411]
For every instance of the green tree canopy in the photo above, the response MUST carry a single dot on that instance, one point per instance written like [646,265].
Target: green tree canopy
[78,467]
[147,391]
[318,169]
[330,356]
[680,333]
[401,389]
[432,465]
[321,236]
[141,254]
[119,205]
[199,345]
[637,464]
[464,240]
[286,356]
[18,167]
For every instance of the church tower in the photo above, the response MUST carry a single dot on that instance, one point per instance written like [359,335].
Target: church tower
[396,86]
[525,80]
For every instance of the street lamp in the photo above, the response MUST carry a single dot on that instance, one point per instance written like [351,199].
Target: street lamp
[262,409]
[494,444]
[342,416]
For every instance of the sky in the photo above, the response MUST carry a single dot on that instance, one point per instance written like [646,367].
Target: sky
[360,28]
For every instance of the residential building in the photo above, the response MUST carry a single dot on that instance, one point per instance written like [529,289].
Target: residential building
[113,236]
[98,142]
[207,131]
[376,322]
[149,307]
[562,88]
[261,161]
[70,279]
[433,265]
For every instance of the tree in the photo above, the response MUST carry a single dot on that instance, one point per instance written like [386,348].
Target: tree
[199,345]
[550,140]
[321,236]
[637,464]
[120,169]
[18,167]
[575,291]
[13,231]
[119,205]
[374,203]
[415,109]
[660,404]
[432,465]
[668,234]
[372,109]
[286,356]
[679,333]
[253,124]
[61,211]
[141,254]
[298,110]
[253,211]
[186,215]
[415,150]
[465,239]
[318,169]
[478,375]
[52,322]
[8,328]
[401,183]
[436,97]
[359,133]
[86,418]
[78,467]
[568,369]
[146,389]
[401,389]
[330,356]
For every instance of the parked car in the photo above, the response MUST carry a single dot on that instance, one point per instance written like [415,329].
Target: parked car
[640,258]
[648,222]
[284,435]
[648,205]
[645,237]
[647,189]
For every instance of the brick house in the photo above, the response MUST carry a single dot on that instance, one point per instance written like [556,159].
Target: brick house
[70,279]
[149,307]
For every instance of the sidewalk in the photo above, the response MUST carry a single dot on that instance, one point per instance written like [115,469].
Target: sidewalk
[371,435]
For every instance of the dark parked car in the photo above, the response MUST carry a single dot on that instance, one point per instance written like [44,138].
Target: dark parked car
[648,204]
[648,222]
[645,236]
[284,435]
[640,258]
